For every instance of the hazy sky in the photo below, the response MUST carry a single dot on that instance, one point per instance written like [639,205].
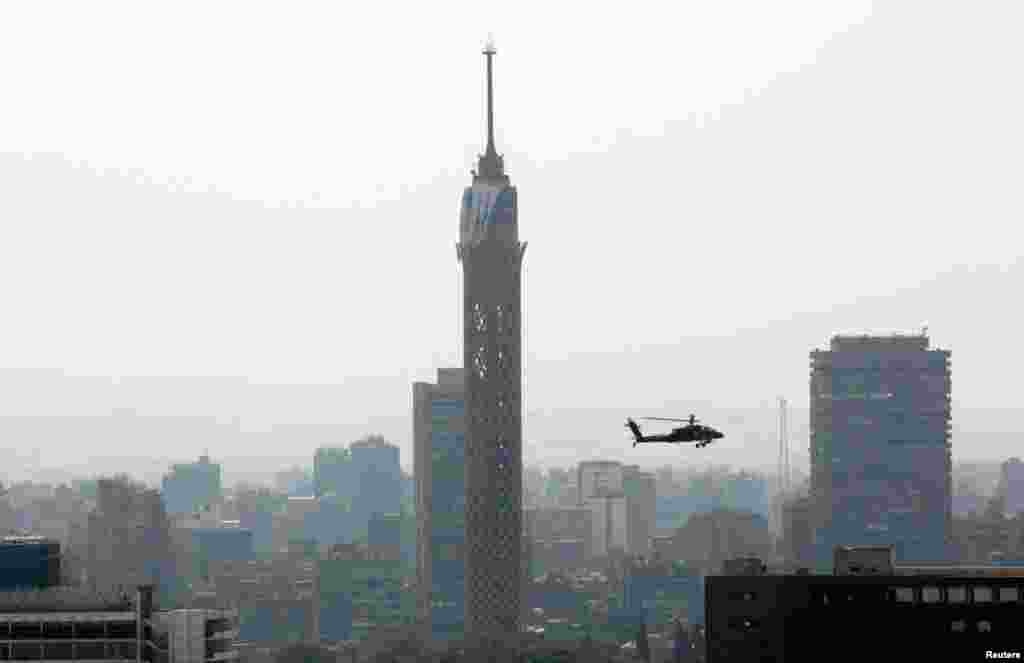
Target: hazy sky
[709,189]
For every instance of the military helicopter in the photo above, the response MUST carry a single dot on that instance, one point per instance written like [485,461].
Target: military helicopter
[691,432]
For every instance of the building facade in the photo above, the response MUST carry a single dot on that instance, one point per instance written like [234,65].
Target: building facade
[129,538]
[557,539]
[895,617]
[361,590]
[218,544]
[492,257]
[194,635]
[641,509]
[660,593]
[61,624]
[439,434]
[1011,486]
[332,473]
[746,491]
[377,469]
[797,532]
[191,487]
[881,464]
[29,562]
[602,492]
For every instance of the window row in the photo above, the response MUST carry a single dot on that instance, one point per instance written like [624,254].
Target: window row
[957,594]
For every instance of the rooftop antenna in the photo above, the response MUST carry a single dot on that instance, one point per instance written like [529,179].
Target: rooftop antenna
[489,52]
[785,441]
[784,471]
[491,166]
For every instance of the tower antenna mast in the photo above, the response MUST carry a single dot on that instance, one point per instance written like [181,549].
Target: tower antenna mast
[490,166]
[489,52]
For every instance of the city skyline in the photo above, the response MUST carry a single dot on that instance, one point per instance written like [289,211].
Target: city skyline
[229,424]
[132,275]
[227,248]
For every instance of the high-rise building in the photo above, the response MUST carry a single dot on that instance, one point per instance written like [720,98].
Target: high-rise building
[881,466]
[376,466]
[440,475]
[354,485]
[129,538]
[796,532]
[641,510]
[359,590]
[492,258]
[332,472]
[191,487]
[601,491]
[1011,486]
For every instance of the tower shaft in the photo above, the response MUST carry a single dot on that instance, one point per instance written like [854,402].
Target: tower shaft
[493,437]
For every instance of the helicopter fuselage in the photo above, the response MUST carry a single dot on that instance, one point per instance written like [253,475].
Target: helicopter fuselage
[692,433]
[688,434]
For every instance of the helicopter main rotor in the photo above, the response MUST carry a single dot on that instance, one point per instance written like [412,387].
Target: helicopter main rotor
[691,420]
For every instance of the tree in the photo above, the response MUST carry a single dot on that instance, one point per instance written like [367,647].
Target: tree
[304,652]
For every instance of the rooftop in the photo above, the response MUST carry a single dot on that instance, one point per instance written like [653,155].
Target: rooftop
[64,599]
[850,342]
[373,443]
[26,539]
[67,616]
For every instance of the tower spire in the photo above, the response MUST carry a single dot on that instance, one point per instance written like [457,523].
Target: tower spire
[490,165]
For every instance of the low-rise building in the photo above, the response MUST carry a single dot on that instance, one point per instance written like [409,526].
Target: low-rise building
[938,616]
[63,624]
[29,562]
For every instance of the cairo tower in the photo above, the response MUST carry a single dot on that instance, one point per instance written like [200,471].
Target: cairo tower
[492,257]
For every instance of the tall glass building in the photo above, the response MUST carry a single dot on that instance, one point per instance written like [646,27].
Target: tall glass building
[881,460]
[439,473]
